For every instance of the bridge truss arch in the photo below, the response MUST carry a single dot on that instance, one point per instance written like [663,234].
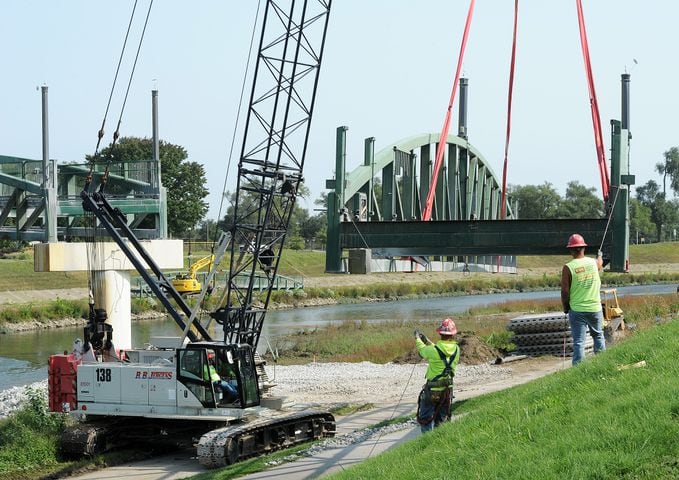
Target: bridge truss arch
[393,184]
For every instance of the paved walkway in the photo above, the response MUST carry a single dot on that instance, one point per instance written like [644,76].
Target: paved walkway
[182,464]
[27,296]
[341,457]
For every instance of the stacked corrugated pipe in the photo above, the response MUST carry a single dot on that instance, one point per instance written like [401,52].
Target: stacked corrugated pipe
[544,334]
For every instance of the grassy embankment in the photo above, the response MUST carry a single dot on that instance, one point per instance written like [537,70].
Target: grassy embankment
[593,421]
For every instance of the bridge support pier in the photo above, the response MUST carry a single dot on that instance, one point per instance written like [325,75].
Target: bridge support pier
[111,274]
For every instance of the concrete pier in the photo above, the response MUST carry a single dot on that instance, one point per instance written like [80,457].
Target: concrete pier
[111,273]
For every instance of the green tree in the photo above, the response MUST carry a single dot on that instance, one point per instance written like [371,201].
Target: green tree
[641,225]
[663,213]
[298,228]
[580,202]
[185,181]
[322,201]
[536,201]
[206,231]
[314,229]
[669,168]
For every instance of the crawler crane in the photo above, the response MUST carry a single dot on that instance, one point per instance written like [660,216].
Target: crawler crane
[168,392]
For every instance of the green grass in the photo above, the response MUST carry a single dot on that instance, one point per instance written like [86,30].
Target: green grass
[28,441]
[651,253]
[664,252]
[19,274]
[57,309]
[302,263]
[60,309]
[594,421]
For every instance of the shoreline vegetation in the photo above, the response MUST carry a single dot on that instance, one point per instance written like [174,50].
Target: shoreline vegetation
[535,273]
[331,290]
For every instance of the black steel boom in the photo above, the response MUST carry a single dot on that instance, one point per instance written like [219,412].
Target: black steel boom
[272,156]
[113,220]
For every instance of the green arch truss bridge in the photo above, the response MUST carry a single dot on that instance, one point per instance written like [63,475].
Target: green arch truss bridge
[377,208]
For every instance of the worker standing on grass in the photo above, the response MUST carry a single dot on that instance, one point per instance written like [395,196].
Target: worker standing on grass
[433,404]
[580,297]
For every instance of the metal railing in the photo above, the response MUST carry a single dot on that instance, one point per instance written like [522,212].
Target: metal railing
[281,282]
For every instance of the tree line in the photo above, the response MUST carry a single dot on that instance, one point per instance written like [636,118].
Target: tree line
[654,210]
[654,206]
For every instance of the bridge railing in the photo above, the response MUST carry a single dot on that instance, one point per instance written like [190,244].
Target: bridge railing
[281,282]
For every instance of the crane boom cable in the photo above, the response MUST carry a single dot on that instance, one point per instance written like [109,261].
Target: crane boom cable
[116,134]
[440,149]
[594,104]
[238,113]
[95,250]
[100,133]
[509,112]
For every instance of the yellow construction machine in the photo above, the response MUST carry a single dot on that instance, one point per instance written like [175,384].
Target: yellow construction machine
[187,284]
[613,316]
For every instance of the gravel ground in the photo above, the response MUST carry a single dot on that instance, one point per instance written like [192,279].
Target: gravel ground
[335,383]
[329,384]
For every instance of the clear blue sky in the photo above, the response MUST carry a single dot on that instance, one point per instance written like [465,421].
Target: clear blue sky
[387,73]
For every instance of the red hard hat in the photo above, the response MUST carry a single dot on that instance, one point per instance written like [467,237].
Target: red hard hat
[575,241]
[210,355]
[447,327]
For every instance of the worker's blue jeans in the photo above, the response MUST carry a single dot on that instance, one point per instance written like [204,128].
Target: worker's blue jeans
[580,323]
[229,391]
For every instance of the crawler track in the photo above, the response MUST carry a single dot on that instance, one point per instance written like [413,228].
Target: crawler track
[228,445]
[92,437]
[219,445]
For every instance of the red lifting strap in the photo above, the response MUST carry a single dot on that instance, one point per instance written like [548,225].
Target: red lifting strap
[596,118]
[510,92]
[440,149]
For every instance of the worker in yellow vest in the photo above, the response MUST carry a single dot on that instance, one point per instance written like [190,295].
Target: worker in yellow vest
[580,297]
[210,374]
[434,402]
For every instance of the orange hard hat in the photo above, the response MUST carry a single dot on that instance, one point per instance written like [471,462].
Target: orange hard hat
[447,327]
[576,241]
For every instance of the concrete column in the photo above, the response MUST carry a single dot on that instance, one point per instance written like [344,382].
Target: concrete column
[162,215]
[115,296]
[111,271]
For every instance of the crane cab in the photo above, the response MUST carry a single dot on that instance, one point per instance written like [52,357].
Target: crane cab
[202,367]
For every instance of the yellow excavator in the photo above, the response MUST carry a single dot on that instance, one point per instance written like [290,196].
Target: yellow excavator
[187,284]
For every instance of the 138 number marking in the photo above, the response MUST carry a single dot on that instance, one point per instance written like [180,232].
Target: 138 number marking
[103,374]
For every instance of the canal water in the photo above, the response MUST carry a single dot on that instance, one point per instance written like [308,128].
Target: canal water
[23,356]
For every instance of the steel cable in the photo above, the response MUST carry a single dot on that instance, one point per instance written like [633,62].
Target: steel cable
[100,133]
[238,112]
[116,134]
